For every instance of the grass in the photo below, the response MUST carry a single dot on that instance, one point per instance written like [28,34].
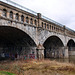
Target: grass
[5,73]
[38,67]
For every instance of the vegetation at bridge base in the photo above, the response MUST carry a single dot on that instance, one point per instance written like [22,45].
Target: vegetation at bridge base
[5,73]
[36,67]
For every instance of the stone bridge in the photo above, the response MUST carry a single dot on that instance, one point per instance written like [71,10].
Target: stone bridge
[26,32]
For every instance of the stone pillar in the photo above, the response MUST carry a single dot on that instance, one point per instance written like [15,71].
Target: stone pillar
[14,16]
[40,51]
[66,55]
[8,14]
[20,17]
[0,13]
[51,27]
[24,19]
[39,21]
[29,19]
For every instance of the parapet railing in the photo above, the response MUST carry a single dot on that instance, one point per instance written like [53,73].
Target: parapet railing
[52,21]
[70,29]
[56,23]
[33,12]
[19,6]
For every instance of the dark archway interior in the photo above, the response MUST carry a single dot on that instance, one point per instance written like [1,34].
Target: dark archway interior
[71,45]
[52,44]
[13,40]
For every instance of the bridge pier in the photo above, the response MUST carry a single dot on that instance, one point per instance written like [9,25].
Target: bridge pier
[40,51]
[66,54]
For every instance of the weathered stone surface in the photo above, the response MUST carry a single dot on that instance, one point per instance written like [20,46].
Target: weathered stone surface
[39,31]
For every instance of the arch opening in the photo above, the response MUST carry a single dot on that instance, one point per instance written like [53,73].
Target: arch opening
[14,41]
[17,17]
[53,47]
[71,45]
[4,12]
[11,14]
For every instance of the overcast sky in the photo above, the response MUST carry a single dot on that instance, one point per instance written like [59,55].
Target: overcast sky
[62,11]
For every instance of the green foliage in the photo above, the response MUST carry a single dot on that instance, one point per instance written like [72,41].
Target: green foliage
[5,73]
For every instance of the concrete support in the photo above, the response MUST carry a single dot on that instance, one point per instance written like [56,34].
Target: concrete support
[66,55]
[40,51]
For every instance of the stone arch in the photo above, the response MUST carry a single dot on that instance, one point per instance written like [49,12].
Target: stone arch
[47,34]
[35,22]
[47,26]
[31,21]
[71,45]
[14,40]
[53,47]
[17,16]
[4,12]
[42,24]
[10,28]
[27,19]
[56,37]
[22,18]
[27,29]
[11,14]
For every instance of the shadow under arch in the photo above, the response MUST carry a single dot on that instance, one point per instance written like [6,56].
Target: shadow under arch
[71,45]
[14,40]
[53,47]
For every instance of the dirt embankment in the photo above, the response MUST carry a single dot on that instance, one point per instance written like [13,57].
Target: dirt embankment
[38,67]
